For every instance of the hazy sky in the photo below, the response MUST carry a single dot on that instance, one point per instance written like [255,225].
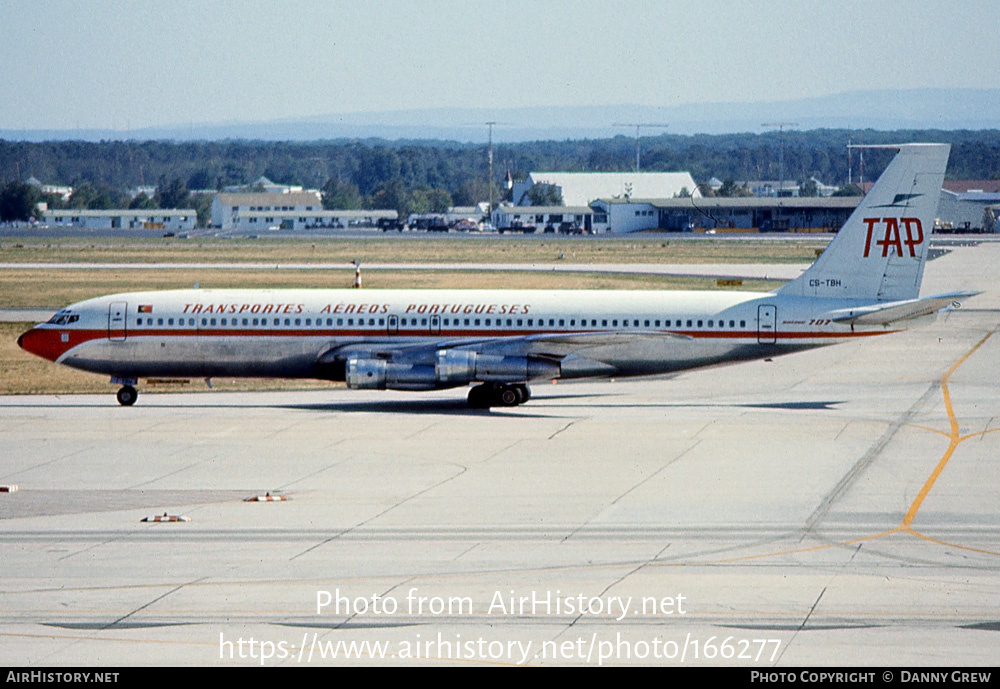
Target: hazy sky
[123,65]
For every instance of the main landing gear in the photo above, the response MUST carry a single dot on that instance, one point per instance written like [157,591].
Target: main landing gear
[498,395]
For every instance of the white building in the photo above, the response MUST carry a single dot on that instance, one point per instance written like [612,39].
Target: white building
[62,191]
[250,211]
[160,219]
[580,188]
[542,218]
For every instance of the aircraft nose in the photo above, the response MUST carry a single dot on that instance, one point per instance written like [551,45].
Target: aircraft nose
[41,342]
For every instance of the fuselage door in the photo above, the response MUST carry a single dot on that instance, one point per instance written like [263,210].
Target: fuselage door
[767,318]
[435,325]
[393,325]
[117,313]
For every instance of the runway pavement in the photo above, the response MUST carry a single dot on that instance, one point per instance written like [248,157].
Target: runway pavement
[835,507]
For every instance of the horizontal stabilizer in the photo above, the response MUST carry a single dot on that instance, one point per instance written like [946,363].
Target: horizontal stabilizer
[883,314]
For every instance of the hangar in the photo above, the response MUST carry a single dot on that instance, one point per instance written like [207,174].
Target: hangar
[581,188]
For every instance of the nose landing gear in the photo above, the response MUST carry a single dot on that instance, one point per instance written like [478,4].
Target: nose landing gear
[127,394]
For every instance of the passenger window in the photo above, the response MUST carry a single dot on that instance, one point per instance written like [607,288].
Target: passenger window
[350,321]
[256,321]
[743,324]
[711,324]
[689,324]
[298,321]
[340,321]
[170,321]
[245,322]
[308,321]
[604,323]
[699,324]
[614,323]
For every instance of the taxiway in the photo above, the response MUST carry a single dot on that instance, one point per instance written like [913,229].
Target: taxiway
[835,507]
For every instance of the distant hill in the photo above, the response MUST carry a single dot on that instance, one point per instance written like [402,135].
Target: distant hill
[942,109]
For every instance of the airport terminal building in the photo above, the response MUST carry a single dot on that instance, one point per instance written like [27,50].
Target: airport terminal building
[257,212]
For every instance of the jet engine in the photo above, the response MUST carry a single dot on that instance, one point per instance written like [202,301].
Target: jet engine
[452,368]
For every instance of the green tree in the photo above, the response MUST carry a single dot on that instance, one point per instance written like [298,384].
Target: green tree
[809,188]
[731,189]
[142,202]
[545,195]
[203,206]
[392,195]
[86,196]
[439,200]
[339,196]
[173,194]
[18,201]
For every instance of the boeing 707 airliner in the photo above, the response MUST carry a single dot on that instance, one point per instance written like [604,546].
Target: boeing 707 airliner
[866,283]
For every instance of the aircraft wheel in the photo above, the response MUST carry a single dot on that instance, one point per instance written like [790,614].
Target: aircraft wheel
[479,397]
[509,395]
[525,392]
[127,396]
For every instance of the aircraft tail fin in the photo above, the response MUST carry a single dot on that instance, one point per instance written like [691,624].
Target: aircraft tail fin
[880,252]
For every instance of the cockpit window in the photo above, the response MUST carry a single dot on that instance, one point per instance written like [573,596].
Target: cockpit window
[64,318]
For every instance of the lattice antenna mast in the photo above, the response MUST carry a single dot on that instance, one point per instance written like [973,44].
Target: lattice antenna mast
[638,128]
[781,149]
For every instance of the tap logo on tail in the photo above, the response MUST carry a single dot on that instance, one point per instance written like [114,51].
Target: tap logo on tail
[891,237]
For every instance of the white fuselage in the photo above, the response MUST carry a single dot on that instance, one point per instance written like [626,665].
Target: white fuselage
[286,333]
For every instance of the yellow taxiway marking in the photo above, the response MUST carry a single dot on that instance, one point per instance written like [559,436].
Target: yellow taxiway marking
[906,526]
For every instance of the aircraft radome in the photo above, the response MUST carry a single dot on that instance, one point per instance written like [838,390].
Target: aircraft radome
[866,283]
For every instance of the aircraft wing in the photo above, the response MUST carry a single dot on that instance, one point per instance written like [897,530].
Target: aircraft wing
[558,344]
[552,345]
[890,312]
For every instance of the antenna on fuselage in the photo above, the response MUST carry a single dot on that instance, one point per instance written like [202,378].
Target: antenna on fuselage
[357,274]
